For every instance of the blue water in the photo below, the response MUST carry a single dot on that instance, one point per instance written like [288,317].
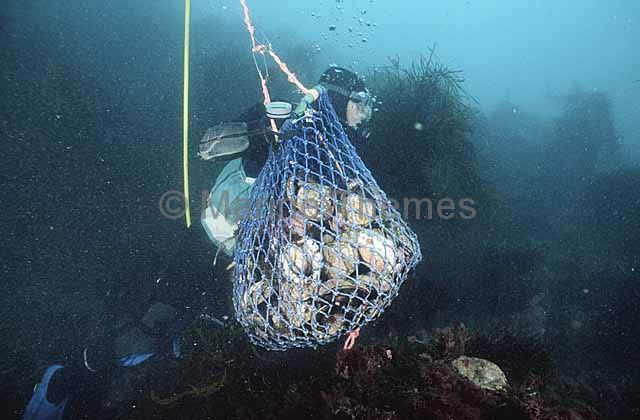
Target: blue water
[92,138]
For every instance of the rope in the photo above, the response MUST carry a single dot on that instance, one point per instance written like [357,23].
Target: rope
[351,340]
[291,77]
[185,113]
[262,49]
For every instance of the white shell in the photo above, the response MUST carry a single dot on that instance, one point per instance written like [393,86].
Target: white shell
[297,223]
[340,258]
[257,293]
[293,262]
[382,284]
[293,297]
[378,251]
[314,200]
[358,210]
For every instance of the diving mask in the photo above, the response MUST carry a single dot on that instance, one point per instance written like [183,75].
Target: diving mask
[362,97]
[364,104]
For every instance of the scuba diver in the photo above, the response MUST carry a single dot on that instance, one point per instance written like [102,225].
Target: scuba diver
[157,336]
[252,135]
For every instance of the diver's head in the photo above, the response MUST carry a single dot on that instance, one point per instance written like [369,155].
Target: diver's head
[349,96]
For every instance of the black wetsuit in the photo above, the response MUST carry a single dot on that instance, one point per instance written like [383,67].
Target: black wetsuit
[256,155]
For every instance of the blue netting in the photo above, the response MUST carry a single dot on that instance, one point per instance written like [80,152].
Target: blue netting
[321,250]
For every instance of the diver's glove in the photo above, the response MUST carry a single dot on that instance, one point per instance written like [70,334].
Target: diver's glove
[308,100]
[287,126]
[291,128]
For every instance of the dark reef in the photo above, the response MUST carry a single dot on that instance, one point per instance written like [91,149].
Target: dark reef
[223,376]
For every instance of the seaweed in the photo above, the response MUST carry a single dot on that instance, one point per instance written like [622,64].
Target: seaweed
[449,343]
[584,138]
[424,120]
[201,392]
[369,382]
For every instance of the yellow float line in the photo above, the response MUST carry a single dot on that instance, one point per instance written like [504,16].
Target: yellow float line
[185,115]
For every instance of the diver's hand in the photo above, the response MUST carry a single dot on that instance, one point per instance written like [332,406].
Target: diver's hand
[287,126]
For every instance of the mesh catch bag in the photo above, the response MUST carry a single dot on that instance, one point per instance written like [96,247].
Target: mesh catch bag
[321,250]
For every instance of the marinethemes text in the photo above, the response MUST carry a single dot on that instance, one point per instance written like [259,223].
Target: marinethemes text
[233,207]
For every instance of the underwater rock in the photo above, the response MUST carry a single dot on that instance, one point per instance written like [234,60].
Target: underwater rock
[483,373]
